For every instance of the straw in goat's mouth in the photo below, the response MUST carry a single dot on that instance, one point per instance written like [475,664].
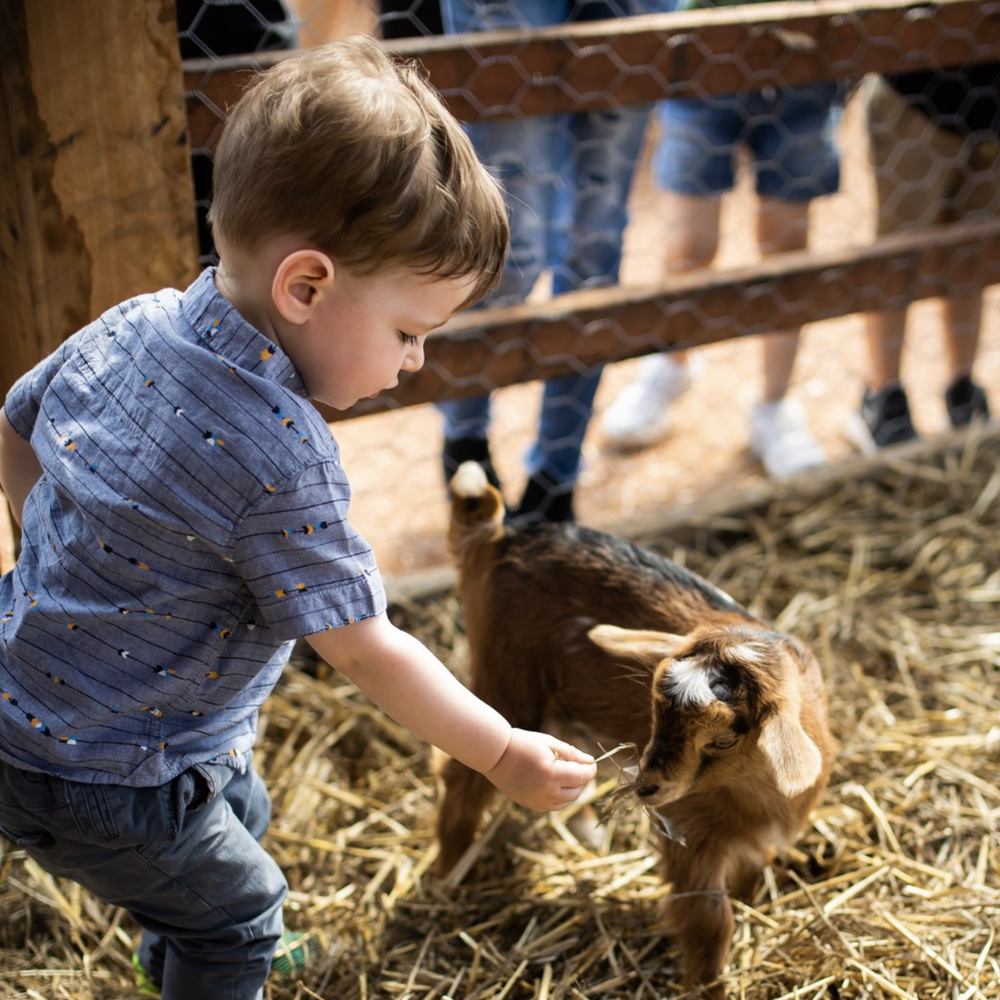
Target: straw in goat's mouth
[632,790]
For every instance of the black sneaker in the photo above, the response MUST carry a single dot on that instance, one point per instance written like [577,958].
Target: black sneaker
[459,450]
[544,501]
[965,401]
[884,420]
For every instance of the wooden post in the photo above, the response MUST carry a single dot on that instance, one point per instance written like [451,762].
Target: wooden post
[96,198]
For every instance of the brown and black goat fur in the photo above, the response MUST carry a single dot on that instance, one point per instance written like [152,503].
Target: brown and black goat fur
[576,629]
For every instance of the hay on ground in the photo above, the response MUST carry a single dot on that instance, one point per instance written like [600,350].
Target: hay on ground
[892,574]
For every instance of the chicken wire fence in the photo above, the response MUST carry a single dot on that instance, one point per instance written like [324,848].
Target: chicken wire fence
[589,111]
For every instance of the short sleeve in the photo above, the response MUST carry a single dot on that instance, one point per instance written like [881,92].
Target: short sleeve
[304,563]
[24,400]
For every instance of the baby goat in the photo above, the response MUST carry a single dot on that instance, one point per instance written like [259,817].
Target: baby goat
[562,621]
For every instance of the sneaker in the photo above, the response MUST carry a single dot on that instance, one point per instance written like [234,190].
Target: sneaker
[544,501]
[294,954]
[781,440]
[459,450]
[144,985]
[965,401]
[639,415]
[884,420]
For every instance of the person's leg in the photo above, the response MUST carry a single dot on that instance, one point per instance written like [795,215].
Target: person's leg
[912,164]
[180,860]
[790,135]
[964,399]
[692,167]
[782,227]
[976,197]
[779,433]
[521,154]
[594,169]
[639,415]
[247,796]
[600,160]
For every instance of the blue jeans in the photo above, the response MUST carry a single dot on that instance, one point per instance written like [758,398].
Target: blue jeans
[789,132]
[183,859]
[567,180]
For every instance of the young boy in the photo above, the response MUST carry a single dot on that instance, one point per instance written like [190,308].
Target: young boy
[183,513]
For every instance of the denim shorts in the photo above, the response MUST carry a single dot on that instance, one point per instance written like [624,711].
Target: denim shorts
[789,133]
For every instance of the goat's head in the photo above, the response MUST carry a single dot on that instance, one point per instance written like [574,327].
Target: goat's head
[726,706]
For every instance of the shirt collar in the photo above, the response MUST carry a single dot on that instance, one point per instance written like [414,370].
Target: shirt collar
[221,327]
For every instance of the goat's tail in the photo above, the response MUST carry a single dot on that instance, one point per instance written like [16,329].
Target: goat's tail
[477,509]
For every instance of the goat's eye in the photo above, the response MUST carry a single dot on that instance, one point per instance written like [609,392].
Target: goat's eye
[722,689]
[724,742]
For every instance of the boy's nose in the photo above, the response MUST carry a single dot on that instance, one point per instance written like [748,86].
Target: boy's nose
[414,359]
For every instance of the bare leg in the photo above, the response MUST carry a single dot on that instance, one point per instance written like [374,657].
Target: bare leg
[782,226]
[884,333]
[779,434]
[692,238]
[885,418]
[641,413]
[962,317]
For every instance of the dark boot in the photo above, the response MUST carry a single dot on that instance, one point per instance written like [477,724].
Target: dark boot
[544,500]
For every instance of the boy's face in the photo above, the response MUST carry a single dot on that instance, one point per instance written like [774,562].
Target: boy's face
[367,329]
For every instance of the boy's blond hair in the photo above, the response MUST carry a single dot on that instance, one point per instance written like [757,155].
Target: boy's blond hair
[357,155]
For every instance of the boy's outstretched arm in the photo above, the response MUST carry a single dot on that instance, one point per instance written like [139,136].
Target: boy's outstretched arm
[408,682]
[19,468]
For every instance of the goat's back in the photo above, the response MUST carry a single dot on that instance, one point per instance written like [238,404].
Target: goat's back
[530,596]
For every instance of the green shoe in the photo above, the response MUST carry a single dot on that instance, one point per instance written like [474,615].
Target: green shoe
[145,985]
[294,955]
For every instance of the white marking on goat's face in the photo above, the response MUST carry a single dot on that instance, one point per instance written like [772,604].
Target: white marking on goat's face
[690,683]
[748,652]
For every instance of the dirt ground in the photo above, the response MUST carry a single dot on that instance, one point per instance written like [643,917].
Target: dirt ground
[393,459]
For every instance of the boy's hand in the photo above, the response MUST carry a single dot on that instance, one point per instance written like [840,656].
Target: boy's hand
[541,772]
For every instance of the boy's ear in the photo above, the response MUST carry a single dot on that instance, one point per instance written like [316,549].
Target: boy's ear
[299,279]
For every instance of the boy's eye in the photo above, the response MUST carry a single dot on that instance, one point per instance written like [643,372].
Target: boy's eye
[409,339]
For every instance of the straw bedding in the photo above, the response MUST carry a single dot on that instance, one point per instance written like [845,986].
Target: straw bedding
[890,571]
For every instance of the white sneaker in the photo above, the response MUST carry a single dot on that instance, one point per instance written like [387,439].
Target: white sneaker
[780,438]
[640,414]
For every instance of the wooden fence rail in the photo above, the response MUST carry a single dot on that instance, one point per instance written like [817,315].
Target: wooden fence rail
[579,330]
[505,74]
[97,203]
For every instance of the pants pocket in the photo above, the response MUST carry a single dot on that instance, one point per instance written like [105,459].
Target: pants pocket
[120,815]
[28,807]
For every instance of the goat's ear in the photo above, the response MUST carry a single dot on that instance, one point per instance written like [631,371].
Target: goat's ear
[644,646]
[795,758]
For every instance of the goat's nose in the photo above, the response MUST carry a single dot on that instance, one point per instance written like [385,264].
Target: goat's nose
[645,791]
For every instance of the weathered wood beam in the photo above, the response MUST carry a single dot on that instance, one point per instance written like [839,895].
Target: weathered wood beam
[96,198]
[580,330]
[505,74]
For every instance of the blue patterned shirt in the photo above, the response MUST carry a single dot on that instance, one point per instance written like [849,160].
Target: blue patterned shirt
[191,521]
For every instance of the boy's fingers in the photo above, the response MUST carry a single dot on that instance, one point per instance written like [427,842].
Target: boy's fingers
[567,752]
[567,794]
[572,775]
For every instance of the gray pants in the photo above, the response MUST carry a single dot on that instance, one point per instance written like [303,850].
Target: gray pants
[183,859]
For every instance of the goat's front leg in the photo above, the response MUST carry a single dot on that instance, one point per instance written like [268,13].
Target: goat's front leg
[698,916]
[466,795]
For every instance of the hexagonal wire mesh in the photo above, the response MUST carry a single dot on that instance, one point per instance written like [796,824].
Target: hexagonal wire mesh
[651,206]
